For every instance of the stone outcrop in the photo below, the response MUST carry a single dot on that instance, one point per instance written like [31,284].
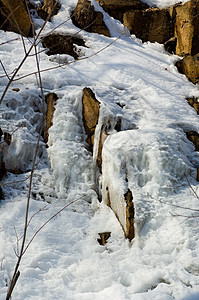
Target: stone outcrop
[152,24]
[50,100]
[187,28]
[189,66]
[85,17]
[130,214]
[90,116]
[117,8]
[90,112]
[62,44]
[14,17]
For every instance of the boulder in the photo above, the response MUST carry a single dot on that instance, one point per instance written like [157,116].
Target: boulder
[85,17]
[152,24]
[14,17]
[116,8]
[189,66]
[51,7]
[187,28]
[62,44]
[50,100]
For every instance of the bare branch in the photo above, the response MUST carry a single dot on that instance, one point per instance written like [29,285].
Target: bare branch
[40,228]
[4,69]
[71,62]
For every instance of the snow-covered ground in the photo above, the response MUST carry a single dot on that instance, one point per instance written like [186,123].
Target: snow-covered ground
[65,260]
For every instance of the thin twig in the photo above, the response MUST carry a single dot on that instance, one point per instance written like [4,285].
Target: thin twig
[24,59]
[35,234]
[4,69]
[70,62]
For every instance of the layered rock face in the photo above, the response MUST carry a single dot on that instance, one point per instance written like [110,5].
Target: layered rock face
[152,25]
[187,34]
[187,28]
[177,27]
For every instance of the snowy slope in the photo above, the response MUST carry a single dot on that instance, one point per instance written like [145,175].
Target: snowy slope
[65,261]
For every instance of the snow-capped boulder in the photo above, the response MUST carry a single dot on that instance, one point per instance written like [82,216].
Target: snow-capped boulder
[62,44]
[85,17]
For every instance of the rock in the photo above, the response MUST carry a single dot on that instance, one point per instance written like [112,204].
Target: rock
[187,28]
[130,213]
[170,45]
[104,236]
[85,17]
[90,112]
[16,90]
[103,136]
[3,170]
[123,207]
[154,25]
[193,136]
[51,7]
[194,103]
[189,66]
[14,17]
[62,44]
[116,8]
[51,100]
[7,138]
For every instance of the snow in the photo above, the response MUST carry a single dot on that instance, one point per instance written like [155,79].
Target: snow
[138,84]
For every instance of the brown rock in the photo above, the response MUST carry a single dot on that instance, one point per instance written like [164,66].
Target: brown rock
[187,28]
[85,17]
[90,112]
[189,66]
[51,100]
[152,24]
[193,136]
[170,45]
[51,7]
[194,103]
[62,44]
[124,202]
[104,236]
[103,136]
[14,17]
[116,8]
[130,214]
